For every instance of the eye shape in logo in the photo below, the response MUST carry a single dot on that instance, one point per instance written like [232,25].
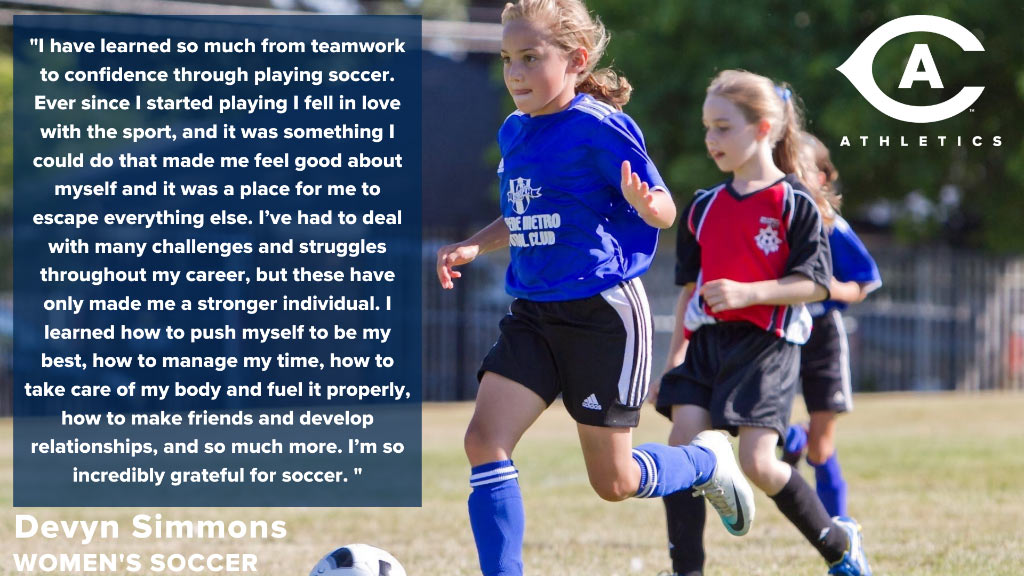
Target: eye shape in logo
[857,69]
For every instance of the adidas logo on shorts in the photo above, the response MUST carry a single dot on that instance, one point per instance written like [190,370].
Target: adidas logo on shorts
[591,403]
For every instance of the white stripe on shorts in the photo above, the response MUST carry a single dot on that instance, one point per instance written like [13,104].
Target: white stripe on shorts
[644,366]
[629,300]
[844,360]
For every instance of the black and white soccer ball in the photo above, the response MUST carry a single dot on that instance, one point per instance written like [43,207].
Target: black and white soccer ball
[358,560]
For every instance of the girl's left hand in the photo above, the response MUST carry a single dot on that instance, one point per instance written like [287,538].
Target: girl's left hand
[721,295]
[637,192]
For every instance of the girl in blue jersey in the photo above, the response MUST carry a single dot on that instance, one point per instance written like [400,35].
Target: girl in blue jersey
[750,253]
[825,359]
[581,205]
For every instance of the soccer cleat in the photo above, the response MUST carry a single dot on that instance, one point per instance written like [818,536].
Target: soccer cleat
[727,490]
[853,562]
[795,444]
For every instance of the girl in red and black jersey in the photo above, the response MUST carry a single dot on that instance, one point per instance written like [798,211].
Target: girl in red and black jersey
[751,252]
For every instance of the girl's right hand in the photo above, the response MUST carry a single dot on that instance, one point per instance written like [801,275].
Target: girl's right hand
[450,256]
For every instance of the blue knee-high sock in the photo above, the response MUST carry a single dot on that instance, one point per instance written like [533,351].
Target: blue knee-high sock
[668,469]
[497,517]
[830,485]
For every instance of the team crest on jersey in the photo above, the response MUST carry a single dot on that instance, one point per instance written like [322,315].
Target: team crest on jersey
[767,238]
[520,193]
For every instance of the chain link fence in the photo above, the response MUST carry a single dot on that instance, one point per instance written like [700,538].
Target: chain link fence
[943,320]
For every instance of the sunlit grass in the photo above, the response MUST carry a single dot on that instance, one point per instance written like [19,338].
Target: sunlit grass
[937,481]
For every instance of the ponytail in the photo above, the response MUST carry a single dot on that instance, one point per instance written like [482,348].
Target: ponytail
[825,178]
[607,86]
[792,155]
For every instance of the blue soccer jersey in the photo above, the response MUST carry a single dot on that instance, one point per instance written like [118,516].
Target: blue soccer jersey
[850,263]
[572,234]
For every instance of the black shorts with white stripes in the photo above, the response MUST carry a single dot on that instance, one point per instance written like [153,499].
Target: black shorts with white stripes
[594,351]
[825,366]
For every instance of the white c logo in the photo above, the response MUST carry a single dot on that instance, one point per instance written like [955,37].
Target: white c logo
[857,68]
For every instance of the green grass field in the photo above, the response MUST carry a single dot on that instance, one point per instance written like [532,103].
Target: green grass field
[937,481]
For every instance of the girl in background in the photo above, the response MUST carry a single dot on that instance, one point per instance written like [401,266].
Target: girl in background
[825,359]
[751,252]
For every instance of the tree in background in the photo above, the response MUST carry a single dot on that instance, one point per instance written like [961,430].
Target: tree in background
[973,196]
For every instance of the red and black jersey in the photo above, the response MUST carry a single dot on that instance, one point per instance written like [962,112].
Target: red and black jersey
[764,235]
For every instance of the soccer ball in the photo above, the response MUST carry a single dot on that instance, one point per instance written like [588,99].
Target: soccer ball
[358,560]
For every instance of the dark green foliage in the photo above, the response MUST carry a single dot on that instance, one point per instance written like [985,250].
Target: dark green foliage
[670,50]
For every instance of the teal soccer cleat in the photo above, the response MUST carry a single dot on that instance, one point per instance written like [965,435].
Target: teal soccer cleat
[727,490]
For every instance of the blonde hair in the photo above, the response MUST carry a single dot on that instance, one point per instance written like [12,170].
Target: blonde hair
[572,27]
[826,194]
[758,98]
